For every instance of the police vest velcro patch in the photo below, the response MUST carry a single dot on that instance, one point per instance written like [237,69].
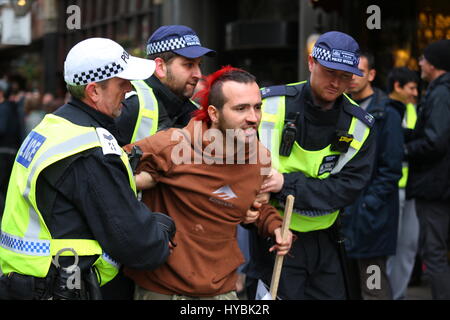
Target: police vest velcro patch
[108,142]
[328,164]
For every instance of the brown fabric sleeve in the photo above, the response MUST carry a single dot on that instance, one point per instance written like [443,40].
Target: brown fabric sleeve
[269,219]
[156,158]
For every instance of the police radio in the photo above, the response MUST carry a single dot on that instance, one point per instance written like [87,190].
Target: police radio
[289,134]
[341,141]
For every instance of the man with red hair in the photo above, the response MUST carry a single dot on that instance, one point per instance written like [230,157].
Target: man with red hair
[207,186]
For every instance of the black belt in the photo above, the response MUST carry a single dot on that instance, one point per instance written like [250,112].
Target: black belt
[15,286]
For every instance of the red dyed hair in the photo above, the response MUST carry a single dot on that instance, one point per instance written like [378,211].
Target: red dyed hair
[202,96]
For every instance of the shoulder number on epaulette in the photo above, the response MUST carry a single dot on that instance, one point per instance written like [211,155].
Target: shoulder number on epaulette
[108,142]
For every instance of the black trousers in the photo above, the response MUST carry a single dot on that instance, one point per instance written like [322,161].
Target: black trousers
[119,288]
[434,219]
[312,269]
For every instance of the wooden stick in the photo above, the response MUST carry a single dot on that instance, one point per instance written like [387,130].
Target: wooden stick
[279,259]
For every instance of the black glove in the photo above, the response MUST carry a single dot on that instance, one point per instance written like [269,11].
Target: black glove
[166,223]
[134,157]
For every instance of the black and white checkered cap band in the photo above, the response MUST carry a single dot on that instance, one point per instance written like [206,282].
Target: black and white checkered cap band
[99,74]
[321,53]
[336,55]
[172,44]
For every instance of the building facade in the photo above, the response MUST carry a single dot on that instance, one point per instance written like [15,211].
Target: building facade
[270,38]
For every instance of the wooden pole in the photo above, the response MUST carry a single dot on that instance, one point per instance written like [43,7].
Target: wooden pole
[279,259]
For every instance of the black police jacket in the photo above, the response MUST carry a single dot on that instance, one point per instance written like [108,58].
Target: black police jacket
[370,224]
[88,196]
[428,145]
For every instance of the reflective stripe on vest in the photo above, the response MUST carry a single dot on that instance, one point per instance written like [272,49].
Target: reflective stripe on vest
[147,121]
[409,122]
[26,245]
[308,162]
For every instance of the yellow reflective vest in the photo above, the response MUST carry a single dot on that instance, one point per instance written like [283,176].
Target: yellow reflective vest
[409,122]
[147,121]
[315,164]
[26,244]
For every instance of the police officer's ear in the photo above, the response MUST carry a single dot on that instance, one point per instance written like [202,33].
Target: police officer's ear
[213,113]
[161,68]
[310,63]
[92,91]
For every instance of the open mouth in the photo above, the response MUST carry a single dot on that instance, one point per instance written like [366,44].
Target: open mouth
[249,132]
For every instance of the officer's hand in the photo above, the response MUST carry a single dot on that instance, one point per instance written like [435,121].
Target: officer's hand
[252,214]
[273,183]
[166,224]
[144,181]
[281,246]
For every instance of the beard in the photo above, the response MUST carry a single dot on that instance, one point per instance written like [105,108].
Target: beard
[179,90]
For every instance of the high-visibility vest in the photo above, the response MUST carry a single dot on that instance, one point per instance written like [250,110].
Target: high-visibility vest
[26,244]
[147,121]
[315,164]
[409,122]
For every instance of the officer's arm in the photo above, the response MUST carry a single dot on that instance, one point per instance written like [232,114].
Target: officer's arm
[337,191]
[125,228]
[144,180]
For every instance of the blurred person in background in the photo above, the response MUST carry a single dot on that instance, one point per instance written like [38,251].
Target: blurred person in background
[9,139]
[34,112]
[402,88]
[427,150]
[17,95]
[370,224]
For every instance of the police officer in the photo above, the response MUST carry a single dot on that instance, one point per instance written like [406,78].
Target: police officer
[71,214]
[322,149]
[163,100]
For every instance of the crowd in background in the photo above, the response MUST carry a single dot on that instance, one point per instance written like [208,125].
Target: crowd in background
[22,110]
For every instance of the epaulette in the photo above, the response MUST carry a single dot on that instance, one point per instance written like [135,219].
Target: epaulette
[108,142]
[280,90]
[273,91]
[360,113]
